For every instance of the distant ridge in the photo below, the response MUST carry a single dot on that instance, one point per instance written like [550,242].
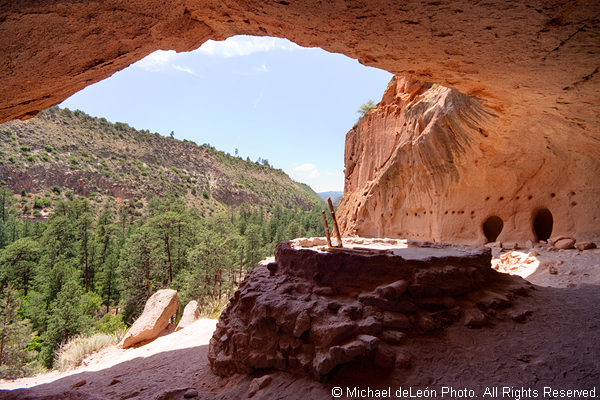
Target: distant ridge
[336,196]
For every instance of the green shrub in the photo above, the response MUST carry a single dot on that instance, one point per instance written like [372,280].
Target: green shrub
[31,158]
[213,307]
[205,194]
[365,108]
[40,203]
[110,324]
[49,148]
[25,149]
[56,189]
[12,159]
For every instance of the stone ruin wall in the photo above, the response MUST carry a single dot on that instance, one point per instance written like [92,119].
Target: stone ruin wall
[433,164]
[309,311]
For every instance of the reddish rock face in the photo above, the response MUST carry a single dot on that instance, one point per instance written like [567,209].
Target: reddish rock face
[431,163]
[311,311]
[529,142]
[542,55]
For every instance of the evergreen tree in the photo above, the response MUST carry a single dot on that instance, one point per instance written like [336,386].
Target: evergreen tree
[17,263]
[66,317]
[137,271]
[15,335]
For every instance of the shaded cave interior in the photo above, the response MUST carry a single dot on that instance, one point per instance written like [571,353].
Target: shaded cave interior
[542,224]
[492,227]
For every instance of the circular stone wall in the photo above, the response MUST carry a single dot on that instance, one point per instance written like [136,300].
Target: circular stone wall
[312,309]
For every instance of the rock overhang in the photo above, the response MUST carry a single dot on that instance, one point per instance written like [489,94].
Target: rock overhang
[543,53]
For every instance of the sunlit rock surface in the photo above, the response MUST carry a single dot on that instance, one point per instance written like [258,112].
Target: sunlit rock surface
[433,164]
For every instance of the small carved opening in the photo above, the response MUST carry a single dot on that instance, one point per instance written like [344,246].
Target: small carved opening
[542,224]
[492,228]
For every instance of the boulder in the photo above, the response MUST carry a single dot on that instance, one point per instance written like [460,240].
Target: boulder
[190,314]
[474,318]
[393,290]
[159,309]
[565,243]
[585,245]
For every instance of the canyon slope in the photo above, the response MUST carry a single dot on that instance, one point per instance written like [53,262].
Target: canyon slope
[431,163]
[62,149]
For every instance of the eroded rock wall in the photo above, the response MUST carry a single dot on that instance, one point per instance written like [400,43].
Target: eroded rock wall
[544,53]
[431,163]
[534,66]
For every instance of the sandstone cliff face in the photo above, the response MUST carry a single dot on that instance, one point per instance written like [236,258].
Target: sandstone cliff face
[433,164]
[533,65]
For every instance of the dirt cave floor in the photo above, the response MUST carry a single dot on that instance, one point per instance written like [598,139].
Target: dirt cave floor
[556,348]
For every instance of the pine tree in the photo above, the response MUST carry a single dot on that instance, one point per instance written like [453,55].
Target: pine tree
[15,335]
[17,263]
[137,270]
[67,317]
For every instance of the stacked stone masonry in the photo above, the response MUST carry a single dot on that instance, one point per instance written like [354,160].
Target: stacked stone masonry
[309,311]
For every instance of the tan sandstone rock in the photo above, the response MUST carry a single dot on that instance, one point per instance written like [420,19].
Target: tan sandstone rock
[433,164]
[517,140]
[540,58]
[190,314]
[566,243]
[585,245]
[159,308]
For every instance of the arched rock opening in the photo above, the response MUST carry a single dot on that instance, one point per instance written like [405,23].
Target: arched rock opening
[492,227]
[72,47]
[542,224]
[473,49]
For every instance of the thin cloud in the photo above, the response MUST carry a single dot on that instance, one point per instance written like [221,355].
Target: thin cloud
[242,45]
[235,46]
[258,99]
[306,171]
[309,173]
[157,61]
[263,68]
[185,69]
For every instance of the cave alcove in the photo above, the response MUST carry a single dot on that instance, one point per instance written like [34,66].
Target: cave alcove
[492,227]
[542,224]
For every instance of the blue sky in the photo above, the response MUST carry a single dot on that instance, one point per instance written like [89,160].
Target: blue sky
[266,97]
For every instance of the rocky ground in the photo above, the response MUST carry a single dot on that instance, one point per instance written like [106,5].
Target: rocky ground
[556,347]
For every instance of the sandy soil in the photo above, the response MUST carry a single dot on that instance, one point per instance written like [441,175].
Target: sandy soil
[557,347]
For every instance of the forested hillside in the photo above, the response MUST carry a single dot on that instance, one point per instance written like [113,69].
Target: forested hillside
[62,150]
[75,262]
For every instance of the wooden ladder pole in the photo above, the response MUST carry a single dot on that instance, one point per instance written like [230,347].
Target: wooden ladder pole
[326,228]
[336,228]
